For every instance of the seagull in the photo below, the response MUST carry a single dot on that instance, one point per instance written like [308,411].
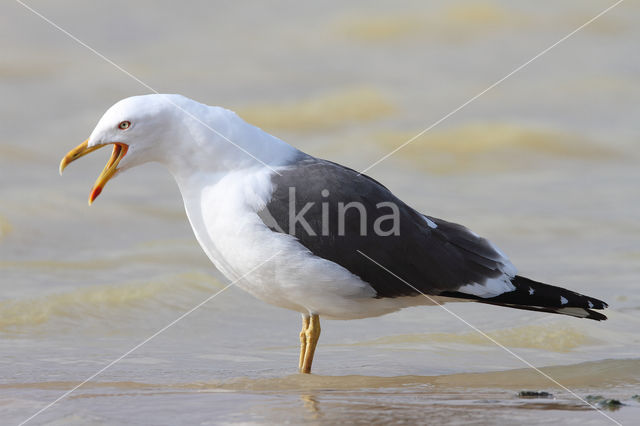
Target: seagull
[307,234]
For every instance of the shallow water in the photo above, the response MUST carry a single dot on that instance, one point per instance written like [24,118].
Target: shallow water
[545,165]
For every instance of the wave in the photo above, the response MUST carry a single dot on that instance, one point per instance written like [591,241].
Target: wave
[185,254]
[5,227]
[594,373]
[603,373]
[452,23]
[549,337]
[321,112]
[95,300]
[490,147]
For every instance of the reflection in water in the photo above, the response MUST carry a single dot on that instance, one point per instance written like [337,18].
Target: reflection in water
[310,403]
[484,397]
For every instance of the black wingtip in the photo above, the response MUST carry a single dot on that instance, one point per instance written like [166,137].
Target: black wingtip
[536,296]
[530,292]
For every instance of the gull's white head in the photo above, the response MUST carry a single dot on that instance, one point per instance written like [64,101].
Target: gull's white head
[142,124]
[139,128]
[174,130]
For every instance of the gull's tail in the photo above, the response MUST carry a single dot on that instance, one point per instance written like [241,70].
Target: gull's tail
[535,296]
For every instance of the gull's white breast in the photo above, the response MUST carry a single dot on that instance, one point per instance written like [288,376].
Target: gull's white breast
[223,210]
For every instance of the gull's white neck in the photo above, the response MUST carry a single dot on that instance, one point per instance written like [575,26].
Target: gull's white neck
[225,180]
[212,142]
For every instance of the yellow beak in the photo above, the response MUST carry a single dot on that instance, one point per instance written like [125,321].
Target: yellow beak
[119,151]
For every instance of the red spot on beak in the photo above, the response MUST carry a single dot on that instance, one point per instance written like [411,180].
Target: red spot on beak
[94,193]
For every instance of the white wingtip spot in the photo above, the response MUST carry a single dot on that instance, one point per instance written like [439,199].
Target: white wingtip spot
[491,288]
[590,304]
[563,301]
[531,291]
[431,224]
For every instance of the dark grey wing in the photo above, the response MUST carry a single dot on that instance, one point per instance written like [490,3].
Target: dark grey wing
[309,201]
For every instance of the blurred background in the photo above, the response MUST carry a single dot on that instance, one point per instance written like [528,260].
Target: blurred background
[546,165]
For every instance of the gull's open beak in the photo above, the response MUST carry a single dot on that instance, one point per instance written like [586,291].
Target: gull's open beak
[119,151]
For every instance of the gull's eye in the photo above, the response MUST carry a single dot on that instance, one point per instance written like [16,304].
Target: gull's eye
[124,125]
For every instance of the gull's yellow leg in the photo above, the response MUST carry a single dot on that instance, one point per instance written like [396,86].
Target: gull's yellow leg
[312,334]
[303,340]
